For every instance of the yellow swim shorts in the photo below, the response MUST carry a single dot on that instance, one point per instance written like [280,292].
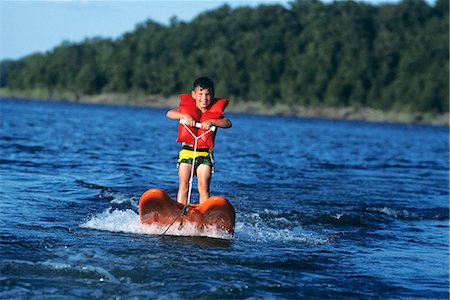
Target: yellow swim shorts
[203,156]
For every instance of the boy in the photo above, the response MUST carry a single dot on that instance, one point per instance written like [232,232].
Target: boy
[199,106]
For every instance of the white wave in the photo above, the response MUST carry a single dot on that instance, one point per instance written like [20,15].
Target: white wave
[267,226]
[337,216]
[274,226]
[128,221]
[61,268]
[262,233]
[119,198]
[393,212]
[99,272]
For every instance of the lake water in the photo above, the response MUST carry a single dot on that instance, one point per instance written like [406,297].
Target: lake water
[325,208]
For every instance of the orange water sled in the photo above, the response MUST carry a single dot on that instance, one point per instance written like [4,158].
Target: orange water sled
[156,207]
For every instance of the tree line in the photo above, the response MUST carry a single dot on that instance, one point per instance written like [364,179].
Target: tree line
[388,57]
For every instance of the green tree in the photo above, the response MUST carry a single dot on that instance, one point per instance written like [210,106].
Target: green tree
[345,53]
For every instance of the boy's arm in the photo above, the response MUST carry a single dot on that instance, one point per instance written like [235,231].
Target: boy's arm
[175,114]
[222,123]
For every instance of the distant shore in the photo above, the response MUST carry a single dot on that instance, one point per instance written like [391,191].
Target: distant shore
[344,113]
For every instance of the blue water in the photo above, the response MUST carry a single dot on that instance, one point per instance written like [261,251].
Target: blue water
[325,208]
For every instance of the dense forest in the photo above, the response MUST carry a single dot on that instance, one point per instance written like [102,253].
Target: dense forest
[387,57]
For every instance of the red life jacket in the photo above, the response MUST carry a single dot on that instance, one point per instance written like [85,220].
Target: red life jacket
[215,111]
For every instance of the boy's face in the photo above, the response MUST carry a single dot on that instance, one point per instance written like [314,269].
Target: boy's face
[202,97]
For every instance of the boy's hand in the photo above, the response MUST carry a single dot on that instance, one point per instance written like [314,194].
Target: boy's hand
[206,125]
[190,121]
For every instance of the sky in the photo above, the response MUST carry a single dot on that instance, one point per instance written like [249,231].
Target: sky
[33,26]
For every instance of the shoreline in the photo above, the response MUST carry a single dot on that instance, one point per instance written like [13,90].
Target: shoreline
[366,114]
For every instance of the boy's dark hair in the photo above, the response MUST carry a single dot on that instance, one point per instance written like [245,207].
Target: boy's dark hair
[204,83]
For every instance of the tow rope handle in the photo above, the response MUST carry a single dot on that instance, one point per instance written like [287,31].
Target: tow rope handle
[198,125]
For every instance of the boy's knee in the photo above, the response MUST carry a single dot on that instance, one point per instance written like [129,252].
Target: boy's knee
[203,185]
[184,184]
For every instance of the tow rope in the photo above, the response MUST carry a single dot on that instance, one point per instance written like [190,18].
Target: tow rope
[182,212]
[196,138]
[186,206]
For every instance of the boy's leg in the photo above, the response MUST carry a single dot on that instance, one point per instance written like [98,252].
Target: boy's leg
[184,173]
[203,178]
